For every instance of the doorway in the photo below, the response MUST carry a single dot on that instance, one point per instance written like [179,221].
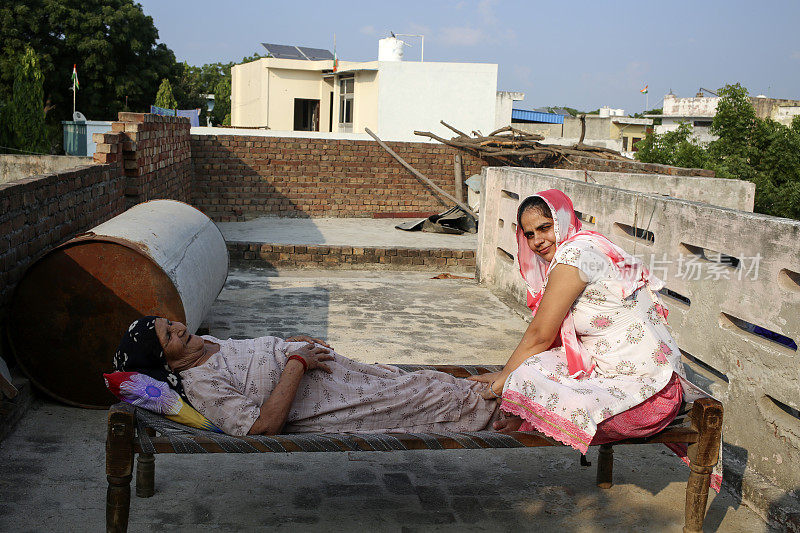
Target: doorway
[306,114]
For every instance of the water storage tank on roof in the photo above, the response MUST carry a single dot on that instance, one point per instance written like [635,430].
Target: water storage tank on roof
[72,306]
[390,49]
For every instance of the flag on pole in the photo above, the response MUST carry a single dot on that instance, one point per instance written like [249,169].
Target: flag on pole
[335,61]
[75,77]
[644,91]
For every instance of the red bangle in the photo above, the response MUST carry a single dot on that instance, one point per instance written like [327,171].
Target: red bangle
[299,358]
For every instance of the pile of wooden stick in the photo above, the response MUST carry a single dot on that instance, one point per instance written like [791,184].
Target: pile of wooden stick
[513,147]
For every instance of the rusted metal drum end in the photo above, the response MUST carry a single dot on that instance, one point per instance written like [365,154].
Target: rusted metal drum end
[73,305]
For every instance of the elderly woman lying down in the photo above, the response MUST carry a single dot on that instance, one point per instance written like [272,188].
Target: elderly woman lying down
[270,385]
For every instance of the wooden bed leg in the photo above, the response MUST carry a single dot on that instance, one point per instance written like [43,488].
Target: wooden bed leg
[605,466]
[146,472]
[706,418]
[145,475]
[119,469]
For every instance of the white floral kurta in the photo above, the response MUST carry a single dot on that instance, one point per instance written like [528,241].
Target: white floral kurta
[230,387]
[632,350]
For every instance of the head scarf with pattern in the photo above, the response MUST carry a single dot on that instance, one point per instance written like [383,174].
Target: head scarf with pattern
[629,270]
[141,351]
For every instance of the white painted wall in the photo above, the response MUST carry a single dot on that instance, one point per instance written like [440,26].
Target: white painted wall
[249,90]
[504,106]
[702,106]
[416,96]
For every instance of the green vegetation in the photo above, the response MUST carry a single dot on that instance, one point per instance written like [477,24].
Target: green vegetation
[761,151]
[211,78]
[654,111]
[114,45]
[27,106]
[164,96]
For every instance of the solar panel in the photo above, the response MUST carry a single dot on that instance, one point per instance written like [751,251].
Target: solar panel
[282,51]
[315,54]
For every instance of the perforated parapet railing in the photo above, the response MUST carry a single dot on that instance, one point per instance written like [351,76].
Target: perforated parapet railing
[732,289]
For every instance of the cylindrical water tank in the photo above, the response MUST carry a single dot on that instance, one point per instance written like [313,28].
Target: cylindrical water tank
[72,306]
[390,49]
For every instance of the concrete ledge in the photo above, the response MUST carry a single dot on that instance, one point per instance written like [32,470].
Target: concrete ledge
[781,510]
[349,257]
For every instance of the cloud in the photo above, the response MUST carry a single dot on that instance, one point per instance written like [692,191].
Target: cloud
[486,10]
[461,36]
[368,30]
[796,55]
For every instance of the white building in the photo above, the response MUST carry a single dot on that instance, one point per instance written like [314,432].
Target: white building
[391,97]
[699,112]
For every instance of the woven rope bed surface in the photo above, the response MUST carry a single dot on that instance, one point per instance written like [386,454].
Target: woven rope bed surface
[172,437]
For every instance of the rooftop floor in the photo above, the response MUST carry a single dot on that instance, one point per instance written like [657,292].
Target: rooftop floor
[52,466]
[362,232]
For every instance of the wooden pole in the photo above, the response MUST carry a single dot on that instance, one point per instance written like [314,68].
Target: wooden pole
[459,177]
[419,175]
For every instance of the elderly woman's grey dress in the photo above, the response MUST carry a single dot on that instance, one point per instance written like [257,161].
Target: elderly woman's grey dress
[230,387]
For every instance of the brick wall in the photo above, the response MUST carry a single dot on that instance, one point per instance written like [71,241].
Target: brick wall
[41,212]
[156,156]
[238,177]
[241,177]
[144,157]
[244,254]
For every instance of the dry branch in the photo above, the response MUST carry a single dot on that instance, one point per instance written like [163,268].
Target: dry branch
[514,147]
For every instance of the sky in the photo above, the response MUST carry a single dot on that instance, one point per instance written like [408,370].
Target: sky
[583,54]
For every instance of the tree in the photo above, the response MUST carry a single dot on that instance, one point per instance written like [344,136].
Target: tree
[112,42]
[164,97]
[222,102]
[211,78]
[761,151]
[677,148]
[27,105]
[735,125]
[6,133]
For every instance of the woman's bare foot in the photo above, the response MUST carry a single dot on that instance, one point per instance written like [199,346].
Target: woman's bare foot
[507,425]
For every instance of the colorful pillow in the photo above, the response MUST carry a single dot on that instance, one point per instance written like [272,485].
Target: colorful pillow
[148,393]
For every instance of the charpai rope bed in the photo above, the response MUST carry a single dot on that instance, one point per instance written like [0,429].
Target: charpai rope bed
[132,431]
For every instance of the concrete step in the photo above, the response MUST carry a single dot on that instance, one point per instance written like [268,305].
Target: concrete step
[277,256]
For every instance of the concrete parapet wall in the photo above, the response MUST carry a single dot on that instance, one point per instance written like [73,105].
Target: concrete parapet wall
[350,257]
[14,167]
[608,165]
[723,310]
[734,194]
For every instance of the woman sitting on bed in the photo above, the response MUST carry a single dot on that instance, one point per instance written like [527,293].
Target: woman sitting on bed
[597,362]
[270,385]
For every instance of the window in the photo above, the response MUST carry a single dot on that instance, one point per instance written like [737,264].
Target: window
[702,123]
[624,144]
[346,91]
[633,144]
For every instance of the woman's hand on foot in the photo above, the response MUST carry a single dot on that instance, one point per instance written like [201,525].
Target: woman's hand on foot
[507,425]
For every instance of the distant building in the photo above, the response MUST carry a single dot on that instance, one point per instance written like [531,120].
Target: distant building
[699,112]
[390,96]
[609,129]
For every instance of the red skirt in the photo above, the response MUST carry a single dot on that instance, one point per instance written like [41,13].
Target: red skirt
[645,419]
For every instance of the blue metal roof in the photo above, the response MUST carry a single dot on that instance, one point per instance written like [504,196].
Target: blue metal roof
[536,116]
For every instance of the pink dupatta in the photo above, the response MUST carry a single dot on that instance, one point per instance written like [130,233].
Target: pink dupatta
[535,270]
